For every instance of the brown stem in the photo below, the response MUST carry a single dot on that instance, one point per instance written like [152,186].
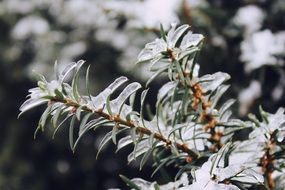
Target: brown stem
[130,124]
[199,98]
[267,164]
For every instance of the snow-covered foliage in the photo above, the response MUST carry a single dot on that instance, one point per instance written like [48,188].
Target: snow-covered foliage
[263,48]
[63,30]
[192,129]
[250,17]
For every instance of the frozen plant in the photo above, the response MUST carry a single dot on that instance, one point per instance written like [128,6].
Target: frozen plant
[263,48]
[191,129]
[258,50]
[250,17]
[147,13]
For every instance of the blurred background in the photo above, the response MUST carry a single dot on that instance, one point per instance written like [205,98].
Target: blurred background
[245,38]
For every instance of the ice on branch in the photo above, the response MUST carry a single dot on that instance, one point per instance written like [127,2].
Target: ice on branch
[191,129]
[168,47]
